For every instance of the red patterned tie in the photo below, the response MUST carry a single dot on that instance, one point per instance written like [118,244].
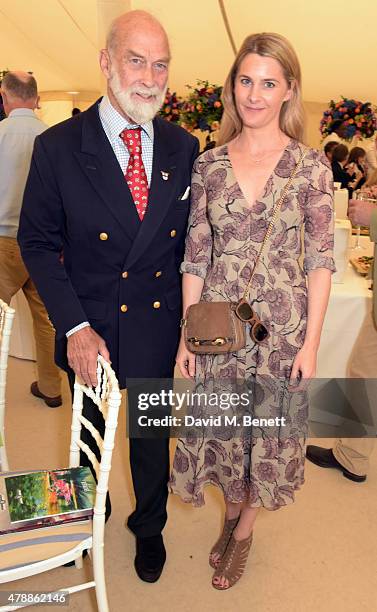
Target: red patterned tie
[135,174]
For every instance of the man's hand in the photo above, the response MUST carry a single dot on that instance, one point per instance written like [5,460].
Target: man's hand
[82,351]
[360,212]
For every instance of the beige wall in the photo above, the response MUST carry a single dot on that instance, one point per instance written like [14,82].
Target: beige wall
[56,106]
[313,112]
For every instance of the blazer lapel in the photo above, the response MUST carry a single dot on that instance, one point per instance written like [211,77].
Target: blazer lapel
[100,165]
[165,170]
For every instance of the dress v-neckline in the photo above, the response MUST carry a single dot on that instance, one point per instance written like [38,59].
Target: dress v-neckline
[260,195]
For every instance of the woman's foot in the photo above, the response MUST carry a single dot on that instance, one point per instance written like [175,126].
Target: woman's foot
[233,563]
[220,547]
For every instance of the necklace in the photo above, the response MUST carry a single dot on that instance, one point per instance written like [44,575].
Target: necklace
[258,161]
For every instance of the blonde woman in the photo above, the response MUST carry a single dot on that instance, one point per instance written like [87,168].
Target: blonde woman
[234,190]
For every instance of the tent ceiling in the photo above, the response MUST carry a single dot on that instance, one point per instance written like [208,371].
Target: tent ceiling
[335,41]
[56,39]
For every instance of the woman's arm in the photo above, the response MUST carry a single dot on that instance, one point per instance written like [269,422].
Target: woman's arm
[192,287]
[197,260]
[318,265]
[305,362]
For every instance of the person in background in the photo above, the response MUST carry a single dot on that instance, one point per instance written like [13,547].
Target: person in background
[339,159]
[17,135]
[336,134]
[351,455]
[328,149]
[210,144]
[356,165]
[75,111]
[371,180]
[371,157]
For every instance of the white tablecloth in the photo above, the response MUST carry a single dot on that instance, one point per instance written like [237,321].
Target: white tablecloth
[348,305]
[341,203]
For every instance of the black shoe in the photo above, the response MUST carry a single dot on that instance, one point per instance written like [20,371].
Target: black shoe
[150,558]
[324,457]
[51,402]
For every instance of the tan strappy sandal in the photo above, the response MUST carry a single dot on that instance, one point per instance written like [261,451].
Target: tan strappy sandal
[221,545]
[233,563]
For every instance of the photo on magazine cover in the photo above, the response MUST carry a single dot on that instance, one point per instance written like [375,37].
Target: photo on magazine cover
[48,493]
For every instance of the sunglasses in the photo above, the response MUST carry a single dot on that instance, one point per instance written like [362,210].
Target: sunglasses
[258,331]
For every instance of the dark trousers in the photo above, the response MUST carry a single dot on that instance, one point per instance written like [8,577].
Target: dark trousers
[149,460]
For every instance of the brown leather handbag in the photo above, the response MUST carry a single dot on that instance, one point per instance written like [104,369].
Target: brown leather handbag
[215,327]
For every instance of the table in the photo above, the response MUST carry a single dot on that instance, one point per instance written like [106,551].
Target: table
[341,203]
[348,305]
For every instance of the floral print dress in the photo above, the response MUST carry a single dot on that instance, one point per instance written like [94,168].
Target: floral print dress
[225,234]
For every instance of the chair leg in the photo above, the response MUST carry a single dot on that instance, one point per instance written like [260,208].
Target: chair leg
[78,562]
[4,466]
[99,578]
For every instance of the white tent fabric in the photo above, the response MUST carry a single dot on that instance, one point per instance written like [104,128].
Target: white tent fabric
[59,40]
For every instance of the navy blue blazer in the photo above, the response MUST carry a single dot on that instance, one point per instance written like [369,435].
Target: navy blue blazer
[120,274]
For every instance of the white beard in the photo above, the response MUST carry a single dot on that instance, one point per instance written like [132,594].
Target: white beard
[140,112]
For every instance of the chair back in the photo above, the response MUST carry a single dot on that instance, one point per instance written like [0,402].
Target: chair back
[6,322]
[107,398]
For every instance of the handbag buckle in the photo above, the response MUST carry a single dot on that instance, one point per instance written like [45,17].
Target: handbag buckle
[215,342]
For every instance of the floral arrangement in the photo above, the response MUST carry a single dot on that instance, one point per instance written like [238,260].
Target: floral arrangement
[172,107]
[203,108]
[357,119]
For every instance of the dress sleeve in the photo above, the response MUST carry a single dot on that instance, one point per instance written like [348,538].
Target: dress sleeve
[198,248]
[319,217]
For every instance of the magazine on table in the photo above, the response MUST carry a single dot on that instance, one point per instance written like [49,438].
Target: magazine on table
[42,499]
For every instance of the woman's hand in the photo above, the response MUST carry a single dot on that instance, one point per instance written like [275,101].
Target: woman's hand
[303,368]
[185,360]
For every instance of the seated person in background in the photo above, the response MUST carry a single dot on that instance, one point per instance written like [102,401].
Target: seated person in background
[371,156]
[340,174]
[210,144]
[357,163]
[328,149]
[337,133]
[372,180]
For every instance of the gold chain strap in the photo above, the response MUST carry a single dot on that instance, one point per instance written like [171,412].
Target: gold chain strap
[272,222]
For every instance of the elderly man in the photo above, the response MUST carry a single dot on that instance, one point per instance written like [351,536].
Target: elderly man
[110,189]
[17,135]
[351,455]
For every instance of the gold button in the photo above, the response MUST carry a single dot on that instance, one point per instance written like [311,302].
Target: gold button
[103,236]
[124,308]
[173,233]
[156,304]
[125,274]
[158,274]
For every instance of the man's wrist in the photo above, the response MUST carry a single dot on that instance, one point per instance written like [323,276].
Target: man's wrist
[77,328]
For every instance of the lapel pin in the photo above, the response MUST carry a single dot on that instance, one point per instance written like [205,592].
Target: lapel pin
[165,175]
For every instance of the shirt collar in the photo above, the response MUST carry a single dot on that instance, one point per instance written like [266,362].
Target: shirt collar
[115,123]
[22,112]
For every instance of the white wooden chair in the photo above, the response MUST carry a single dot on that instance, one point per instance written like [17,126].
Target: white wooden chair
[6,322]
[32,552]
